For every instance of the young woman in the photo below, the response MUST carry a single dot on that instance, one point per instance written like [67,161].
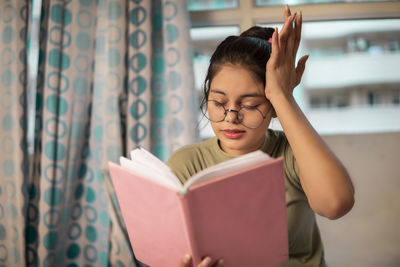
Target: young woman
[250,80]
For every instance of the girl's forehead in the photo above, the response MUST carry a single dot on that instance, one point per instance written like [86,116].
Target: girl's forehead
[232,80]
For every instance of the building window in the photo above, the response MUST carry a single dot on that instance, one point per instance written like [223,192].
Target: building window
[373,98]
[395,98]
[330,100]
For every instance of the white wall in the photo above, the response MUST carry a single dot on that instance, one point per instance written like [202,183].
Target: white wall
[369,236]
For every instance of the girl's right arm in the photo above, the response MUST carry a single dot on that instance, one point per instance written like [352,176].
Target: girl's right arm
[324,179]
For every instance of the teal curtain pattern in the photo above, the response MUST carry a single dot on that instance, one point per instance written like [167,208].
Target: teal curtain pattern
[112,75]
[14,17]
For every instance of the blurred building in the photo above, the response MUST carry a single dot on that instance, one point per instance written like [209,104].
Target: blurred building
[352,79]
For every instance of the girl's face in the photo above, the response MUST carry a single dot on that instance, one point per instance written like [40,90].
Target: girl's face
[235,87]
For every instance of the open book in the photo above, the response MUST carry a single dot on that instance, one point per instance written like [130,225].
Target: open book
[234,210]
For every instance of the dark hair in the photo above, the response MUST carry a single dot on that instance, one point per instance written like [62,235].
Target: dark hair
[251,50]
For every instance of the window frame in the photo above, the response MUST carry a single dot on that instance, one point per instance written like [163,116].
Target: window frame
[248,14]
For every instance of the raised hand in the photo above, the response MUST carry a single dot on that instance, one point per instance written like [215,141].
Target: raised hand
[282,76]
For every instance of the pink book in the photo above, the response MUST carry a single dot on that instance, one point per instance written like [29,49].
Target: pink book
[234,210]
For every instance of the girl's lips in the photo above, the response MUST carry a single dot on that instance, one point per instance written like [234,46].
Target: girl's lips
[233,133]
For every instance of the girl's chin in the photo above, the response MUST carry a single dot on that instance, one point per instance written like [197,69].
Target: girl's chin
[234,147]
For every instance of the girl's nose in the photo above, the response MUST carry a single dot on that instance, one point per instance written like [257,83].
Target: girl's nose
[232,116]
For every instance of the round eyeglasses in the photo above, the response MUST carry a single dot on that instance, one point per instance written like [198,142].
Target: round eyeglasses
[248,116]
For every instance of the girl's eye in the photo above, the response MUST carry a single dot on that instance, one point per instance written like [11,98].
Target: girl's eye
[248,107]
[217,104]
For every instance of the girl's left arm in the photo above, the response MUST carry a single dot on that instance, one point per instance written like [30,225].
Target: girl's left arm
[324,179]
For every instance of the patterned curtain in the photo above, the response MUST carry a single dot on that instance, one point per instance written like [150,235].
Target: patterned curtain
[112,75]
[14,17]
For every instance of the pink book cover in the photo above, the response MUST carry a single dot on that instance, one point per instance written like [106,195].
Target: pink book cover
[240,217]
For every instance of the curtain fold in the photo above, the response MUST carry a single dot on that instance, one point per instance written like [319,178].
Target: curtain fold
[112,75]
[14,17]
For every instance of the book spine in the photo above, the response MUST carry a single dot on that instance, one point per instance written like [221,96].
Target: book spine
[189,228]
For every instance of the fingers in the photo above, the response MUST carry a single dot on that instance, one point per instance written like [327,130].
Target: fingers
[290,35]
[301,66]
[275,45]
[286,13]
[285,33]
[220,263]
[206,262]
[290,42]
[298,24]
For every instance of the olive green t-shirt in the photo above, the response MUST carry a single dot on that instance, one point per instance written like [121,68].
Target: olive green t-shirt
[305,245]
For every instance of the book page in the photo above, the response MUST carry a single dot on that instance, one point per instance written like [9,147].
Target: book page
[142,155]
[226,167]
[148,166]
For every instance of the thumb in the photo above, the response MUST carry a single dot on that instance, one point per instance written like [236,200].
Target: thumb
[301,65]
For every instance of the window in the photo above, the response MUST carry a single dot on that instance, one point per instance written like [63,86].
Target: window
[354,59]
[330,100]
[32,59]
[395,98]
[373,98]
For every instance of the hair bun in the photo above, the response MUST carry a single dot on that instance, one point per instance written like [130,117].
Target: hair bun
[264,33]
